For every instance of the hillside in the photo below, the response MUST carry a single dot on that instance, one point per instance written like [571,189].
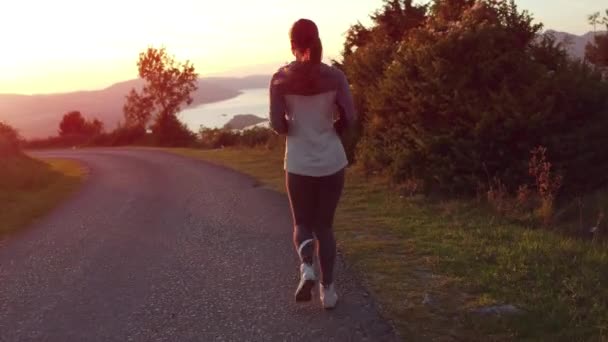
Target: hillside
[574,44]
[38,116]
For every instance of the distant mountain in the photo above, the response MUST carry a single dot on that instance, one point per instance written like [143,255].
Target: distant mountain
[38,116]
[249,82]
[573,43]
[242,121]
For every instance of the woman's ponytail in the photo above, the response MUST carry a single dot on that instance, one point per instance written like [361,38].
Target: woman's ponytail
[316,51]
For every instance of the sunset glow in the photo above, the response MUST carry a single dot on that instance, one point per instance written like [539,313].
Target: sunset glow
[65,45]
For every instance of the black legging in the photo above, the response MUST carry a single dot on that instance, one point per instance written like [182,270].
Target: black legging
[313,204]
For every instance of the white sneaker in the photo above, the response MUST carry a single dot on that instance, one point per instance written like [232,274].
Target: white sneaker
[329,297]
[307,283]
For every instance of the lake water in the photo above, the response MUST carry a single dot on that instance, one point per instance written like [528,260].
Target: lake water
[251,101]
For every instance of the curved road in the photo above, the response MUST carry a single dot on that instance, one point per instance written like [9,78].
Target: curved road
[156,247]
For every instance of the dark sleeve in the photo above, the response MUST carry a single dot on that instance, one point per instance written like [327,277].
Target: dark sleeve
[278,108]
[346,106]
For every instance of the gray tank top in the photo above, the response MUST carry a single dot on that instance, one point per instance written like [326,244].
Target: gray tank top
[307,103]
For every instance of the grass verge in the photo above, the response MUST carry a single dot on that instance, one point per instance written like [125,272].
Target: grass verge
[432,265]
[30,188]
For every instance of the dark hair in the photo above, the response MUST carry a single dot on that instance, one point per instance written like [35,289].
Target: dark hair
[304,34]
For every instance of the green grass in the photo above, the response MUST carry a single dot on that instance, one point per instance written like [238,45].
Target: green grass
[30,188]
[461,256]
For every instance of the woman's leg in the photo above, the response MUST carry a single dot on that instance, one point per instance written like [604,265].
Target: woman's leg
[330,190]
[302,198]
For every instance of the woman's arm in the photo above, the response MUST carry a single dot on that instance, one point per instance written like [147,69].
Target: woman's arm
[346,106]
[278,108]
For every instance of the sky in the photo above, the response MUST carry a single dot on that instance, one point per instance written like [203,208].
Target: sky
[66,45]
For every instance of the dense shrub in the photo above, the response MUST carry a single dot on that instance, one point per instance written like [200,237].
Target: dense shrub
[470,93]
[368,52]
[254,137]
[217,137]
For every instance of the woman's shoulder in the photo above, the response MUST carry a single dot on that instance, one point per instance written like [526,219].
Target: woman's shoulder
[292,67]
[285,69]
[333,73]
[281,74]
[331,70]
[314,78]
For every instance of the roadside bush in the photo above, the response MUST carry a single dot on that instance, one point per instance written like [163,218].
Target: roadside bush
[534,201]
[257,136]
[42,143]
[9,140]
[217,137]
[124,135]
[275,141]
[547,183]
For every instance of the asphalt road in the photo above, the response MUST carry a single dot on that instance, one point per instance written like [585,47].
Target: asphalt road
[156,247]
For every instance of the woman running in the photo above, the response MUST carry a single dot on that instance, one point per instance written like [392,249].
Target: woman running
[311,103]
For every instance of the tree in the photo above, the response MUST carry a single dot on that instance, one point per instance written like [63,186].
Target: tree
[168,85]
[597,51]
[72,123]
[594,20]
[138,109]
[95,127]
